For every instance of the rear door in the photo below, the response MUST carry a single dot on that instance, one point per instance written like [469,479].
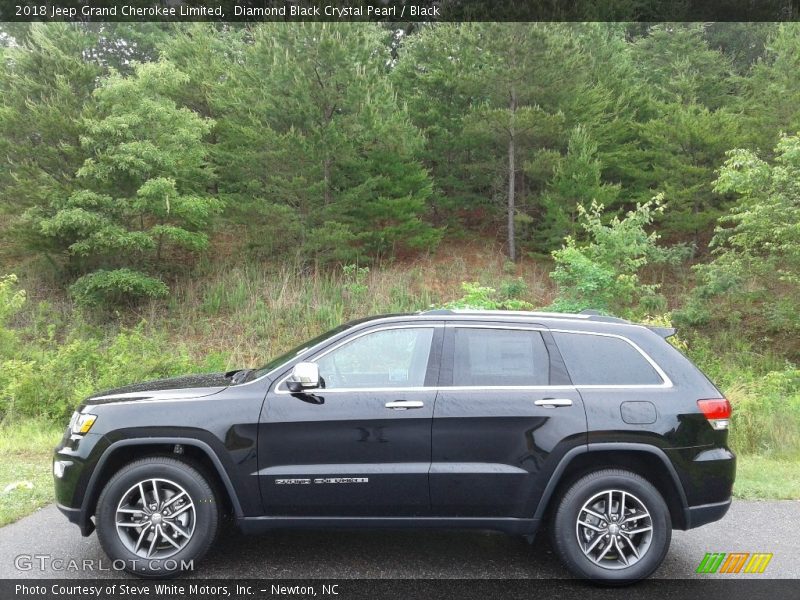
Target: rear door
[505,415]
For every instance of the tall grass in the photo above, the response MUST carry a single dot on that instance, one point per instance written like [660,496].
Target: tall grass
[253,311]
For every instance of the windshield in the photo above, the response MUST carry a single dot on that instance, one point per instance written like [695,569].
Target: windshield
[285,357]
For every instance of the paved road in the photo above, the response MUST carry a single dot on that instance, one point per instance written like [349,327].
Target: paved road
[749,527]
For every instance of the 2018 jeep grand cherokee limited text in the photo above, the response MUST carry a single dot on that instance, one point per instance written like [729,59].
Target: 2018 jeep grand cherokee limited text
[467,419]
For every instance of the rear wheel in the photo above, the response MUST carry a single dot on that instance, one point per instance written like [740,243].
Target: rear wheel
[612,526]
[157,517]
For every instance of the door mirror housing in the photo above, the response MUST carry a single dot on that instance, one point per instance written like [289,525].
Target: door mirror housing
[305,376]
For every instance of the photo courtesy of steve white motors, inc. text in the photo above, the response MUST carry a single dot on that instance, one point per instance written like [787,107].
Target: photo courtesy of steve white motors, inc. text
[172,589]
[45,11]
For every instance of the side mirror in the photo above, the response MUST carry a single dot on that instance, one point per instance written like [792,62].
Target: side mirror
[305,376]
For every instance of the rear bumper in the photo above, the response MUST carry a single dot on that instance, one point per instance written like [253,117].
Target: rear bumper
[706,513]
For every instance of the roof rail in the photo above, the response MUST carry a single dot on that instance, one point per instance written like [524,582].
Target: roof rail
[588,315]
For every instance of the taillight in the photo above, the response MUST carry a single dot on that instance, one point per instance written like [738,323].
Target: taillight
[717,411]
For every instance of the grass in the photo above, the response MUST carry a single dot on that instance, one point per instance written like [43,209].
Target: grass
[247,312]
[25,454]
[761,478]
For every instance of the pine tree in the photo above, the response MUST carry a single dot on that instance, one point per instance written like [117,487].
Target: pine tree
[143,188]
[520,72]
[772,99]
[46,87]
[577,183]
[434,76]
[317,125]
[689,128]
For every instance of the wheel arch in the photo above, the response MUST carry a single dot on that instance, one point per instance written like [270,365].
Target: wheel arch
[196,452]
[648,461]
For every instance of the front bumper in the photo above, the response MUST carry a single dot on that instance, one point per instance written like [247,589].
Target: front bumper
[73,462]
[77,516]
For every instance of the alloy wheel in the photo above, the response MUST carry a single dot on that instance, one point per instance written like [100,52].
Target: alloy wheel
[155,518]
[614,529]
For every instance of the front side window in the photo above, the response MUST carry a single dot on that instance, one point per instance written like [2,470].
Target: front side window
[499,357]
[604,360]
[391,358]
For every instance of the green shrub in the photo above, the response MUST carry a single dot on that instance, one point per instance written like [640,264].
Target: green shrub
[47,376]
[51,378]
[603,272]
[481,297]
[117,287]
[513,289]
[11,300]
[753,280]
[355,281]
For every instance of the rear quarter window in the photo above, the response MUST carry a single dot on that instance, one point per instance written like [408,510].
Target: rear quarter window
[604,360]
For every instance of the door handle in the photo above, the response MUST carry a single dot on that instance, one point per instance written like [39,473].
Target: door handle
[553,402]
[404,404]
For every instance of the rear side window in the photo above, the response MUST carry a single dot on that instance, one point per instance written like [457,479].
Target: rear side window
[495,357]
[603,360]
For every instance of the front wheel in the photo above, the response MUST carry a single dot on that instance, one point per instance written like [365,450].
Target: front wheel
[612,526]
[156,517]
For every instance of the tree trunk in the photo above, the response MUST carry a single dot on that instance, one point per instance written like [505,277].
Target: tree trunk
[512,251]
[326,168]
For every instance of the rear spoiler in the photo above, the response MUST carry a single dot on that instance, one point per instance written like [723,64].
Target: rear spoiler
[664,332]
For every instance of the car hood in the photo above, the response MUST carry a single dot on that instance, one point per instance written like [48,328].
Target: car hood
[187,386]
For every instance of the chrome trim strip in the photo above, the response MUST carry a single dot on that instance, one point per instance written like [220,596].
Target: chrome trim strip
[344,469]
[666,381]
[424,318]
[451,388]
[347,470]
[462,468]
[514,313]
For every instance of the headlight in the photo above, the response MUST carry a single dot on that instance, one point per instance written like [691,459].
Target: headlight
[81,423]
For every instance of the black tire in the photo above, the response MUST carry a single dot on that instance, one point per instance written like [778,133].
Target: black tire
[570,539]
[204,514]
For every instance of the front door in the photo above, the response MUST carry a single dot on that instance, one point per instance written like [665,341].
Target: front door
[360,445]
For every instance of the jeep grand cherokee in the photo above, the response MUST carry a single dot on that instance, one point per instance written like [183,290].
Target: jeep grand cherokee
[446,418]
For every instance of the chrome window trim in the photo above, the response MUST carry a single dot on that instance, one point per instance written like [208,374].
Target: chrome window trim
[512,316]
[666,381]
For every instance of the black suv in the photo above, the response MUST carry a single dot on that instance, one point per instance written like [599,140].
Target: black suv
[467,419]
